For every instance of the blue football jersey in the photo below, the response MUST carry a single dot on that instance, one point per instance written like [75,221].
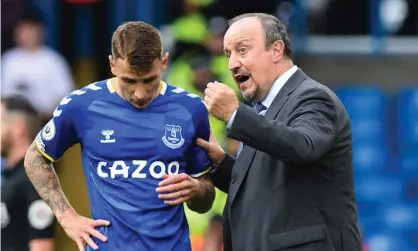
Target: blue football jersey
[125,152]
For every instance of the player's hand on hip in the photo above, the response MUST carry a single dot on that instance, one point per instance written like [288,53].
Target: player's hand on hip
[220,100]
[80,229]
[177,189]
[214,149]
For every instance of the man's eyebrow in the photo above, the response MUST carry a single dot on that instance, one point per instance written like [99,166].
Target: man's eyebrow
[242,41]
[128,79]
[237,44]
[150,77]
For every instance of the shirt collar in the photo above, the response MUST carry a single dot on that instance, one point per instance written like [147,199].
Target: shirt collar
[277,86]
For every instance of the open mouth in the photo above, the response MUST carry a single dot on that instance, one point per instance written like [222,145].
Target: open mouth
[241,78]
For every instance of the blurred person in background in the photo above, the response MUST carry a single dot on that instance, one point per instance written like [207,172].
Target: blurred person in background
[291,185]
[11,12]
[33,70]
[27,222]
[213,235]
[190,28]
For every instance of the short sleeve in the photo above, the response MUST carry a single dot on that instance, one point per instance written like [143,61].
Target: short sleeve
[40,217]
[60,132]
[198,162]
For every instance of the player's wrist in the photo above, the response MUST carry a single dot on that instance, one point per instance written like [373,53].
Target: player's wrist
[203,196]
[231,114]
[199,190]
[66,214]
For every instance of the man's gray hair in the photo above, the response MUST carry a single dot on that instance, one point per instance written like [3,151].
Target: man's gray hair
[273,28]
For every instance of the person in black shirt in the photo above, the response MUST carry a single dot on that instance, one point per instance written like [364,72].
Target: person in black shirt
[27,222]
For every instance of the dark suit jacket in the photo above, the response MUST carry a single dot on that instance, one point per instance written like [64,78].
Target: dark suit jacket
[292,186]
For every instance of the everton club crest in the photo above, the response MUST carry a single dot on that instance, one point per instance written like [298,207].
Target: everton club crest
[172,136]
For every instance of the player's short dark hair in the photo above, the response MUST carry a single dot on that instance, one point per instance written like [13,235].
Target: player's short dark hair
[139,43]
[274,30]
[21,105]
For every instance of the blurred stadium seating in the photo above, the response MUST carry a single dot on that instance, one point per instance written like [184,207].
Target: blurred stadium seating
[386,164]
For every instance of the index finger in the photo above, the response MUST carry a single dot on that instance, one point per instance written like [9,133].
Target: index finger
[203,143]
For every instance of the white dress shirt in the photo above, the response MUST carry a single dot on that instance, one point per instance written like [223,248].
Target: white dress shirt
[275,89]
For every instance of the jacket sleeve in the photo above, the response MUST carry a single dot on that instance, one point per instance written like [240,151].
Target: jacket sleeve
[309,135]
[221,176]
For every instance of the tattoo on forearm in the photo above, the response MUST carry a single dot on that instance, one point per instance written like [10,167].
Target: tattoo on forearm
[203,203]
[43,177]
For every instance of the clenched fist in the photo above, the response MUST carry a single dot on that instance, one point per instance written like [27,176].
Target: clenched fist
[220,100]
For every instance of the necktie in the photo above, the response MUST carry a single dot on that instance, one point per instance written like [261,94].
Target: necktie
[259,107]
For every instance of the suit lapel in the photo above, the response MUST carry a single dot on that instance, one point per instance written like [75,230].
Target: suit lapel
[281,98]
[244,162]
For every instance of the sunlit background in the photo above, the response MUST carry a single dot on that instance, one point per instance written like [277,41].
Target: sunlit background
[366,50]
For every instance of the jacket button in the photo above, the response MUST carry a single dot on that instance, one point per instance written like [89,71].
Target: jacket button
[233,181]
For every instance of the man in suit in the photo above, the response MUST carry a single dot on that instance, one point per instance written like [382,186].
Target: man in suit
[291,187]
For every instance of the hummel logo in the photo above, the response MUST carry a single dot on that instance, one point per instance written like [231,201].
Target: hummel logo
[107,134]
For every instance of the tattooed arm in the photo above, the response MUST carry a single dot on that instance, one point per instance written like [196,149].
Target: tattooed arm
[43,177]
